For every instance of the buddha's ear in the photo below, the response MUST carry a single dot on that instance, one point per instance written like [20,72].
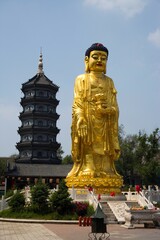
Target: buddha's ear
[86,59]
[86,64]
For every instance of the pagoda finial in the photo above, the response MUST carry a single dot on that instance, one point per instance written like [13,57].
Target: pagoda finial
[40,64]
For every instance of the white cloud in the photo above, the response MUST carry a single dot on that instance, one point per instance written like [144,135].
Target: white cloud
[154,37]
[128,7]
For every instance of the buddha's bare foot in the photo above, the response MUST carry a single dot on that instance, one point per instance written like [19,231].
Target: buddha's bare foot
[100,174]
[103,174]
[87,173]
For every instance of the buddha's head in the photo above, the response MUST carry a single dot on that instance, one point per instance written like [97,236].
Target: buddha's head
[96,58]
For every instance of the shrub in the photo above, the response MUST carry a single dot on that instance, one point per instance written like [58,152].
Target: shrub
[17,202]
[9,193]
[61,200]
[90,210]
[81,208]
[39,202]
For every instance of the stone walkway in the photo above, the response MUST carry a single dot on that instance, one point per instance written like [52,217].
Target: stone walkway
[74,232]
[25,231]
[58,231]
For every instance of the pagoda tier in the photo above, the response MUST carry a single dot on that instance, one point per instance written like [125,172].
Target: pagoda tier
[38,130]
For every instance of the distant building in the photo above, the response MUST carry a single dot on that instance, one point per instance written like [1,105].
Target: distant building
[38,131]
[38,135]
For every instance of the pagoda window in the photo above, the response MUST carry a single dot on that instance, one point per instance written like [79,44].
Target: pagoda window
[41,108]
[29,94]
[51,124]
[51,95]
[26,154]
[40,93]
[52,138]
[40,138]
[28,108]
[26,138]
[40,123]
[53,154]
[39,154]
[28,123]
[51,109]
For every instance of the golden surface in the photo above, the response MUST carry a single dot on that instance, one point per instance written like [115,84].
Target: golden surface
[94,129]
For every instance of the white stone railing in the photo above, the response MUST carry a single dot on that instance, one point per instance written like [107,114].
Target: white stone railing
[152,195]
[142,200]
[93,200]
[4,203]
[130,195]
[84,195]
[144,197]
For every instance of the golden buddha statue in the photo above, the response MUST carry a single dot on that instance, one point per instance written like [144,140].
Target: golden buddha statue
[94,129]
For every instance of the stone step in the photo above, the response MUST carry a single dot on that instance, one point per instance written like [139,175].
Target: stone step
[110,217]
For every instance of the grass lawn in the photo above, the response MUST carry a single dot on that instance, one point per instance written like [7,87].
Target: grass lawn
[31,215]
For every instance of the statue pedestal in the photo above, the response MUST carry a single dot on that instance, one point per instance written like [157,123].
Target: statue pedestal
[101,185]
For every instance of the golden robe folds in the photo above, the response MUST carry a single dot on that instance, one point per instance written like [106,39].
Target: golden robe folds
[94,129]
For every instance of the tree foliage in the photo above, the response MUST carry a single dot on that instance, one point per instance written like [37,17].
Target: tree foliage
[17,202]
[61,200]
[5,163]
[3,166]
[140,157]
[67,160]
[60,153]
[40,194]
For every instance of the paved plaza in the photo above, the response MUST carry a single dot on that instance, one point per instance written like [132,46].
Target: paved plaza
[56,231]
[25,231]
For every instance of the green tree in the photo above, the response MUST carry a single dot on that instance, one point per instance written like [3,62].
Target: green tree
[60,153]
[17,202]
[67,160]
[61,200]
[40,194]
[14,156]
[125,164]
[4,162]
[3,166]
[140,157]
[148,157]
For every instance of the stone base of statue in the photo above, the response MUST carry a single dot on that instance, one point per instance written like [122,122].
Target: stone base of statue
[101,185]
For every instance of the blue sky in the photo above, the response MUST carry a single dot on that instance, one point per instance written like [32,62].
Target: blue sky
[130,29]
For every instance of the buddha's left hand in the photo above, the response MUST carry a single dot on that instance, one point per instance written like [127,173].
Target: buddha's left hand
[106,110]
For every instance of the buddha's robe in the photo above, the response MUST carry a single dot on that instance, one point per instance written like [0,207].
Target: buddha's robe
[95,101]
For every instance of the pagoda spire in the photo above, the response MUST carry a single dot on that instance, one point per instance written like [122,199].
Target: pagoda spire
[40,64]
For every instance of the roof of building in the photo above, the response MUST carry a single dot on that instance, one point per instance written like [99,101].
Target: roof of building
[40,77]
[39,170]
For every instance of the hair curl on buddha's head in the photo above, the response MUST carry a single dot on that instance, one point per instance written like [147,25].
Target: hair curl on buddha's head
[96,46]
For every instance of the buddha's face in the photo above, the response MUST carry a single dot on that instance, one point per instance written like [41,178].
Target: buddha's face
[97,61]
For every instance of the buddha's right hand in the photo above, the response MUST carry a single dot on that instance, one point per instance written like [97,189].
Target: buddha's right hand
[82,127]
